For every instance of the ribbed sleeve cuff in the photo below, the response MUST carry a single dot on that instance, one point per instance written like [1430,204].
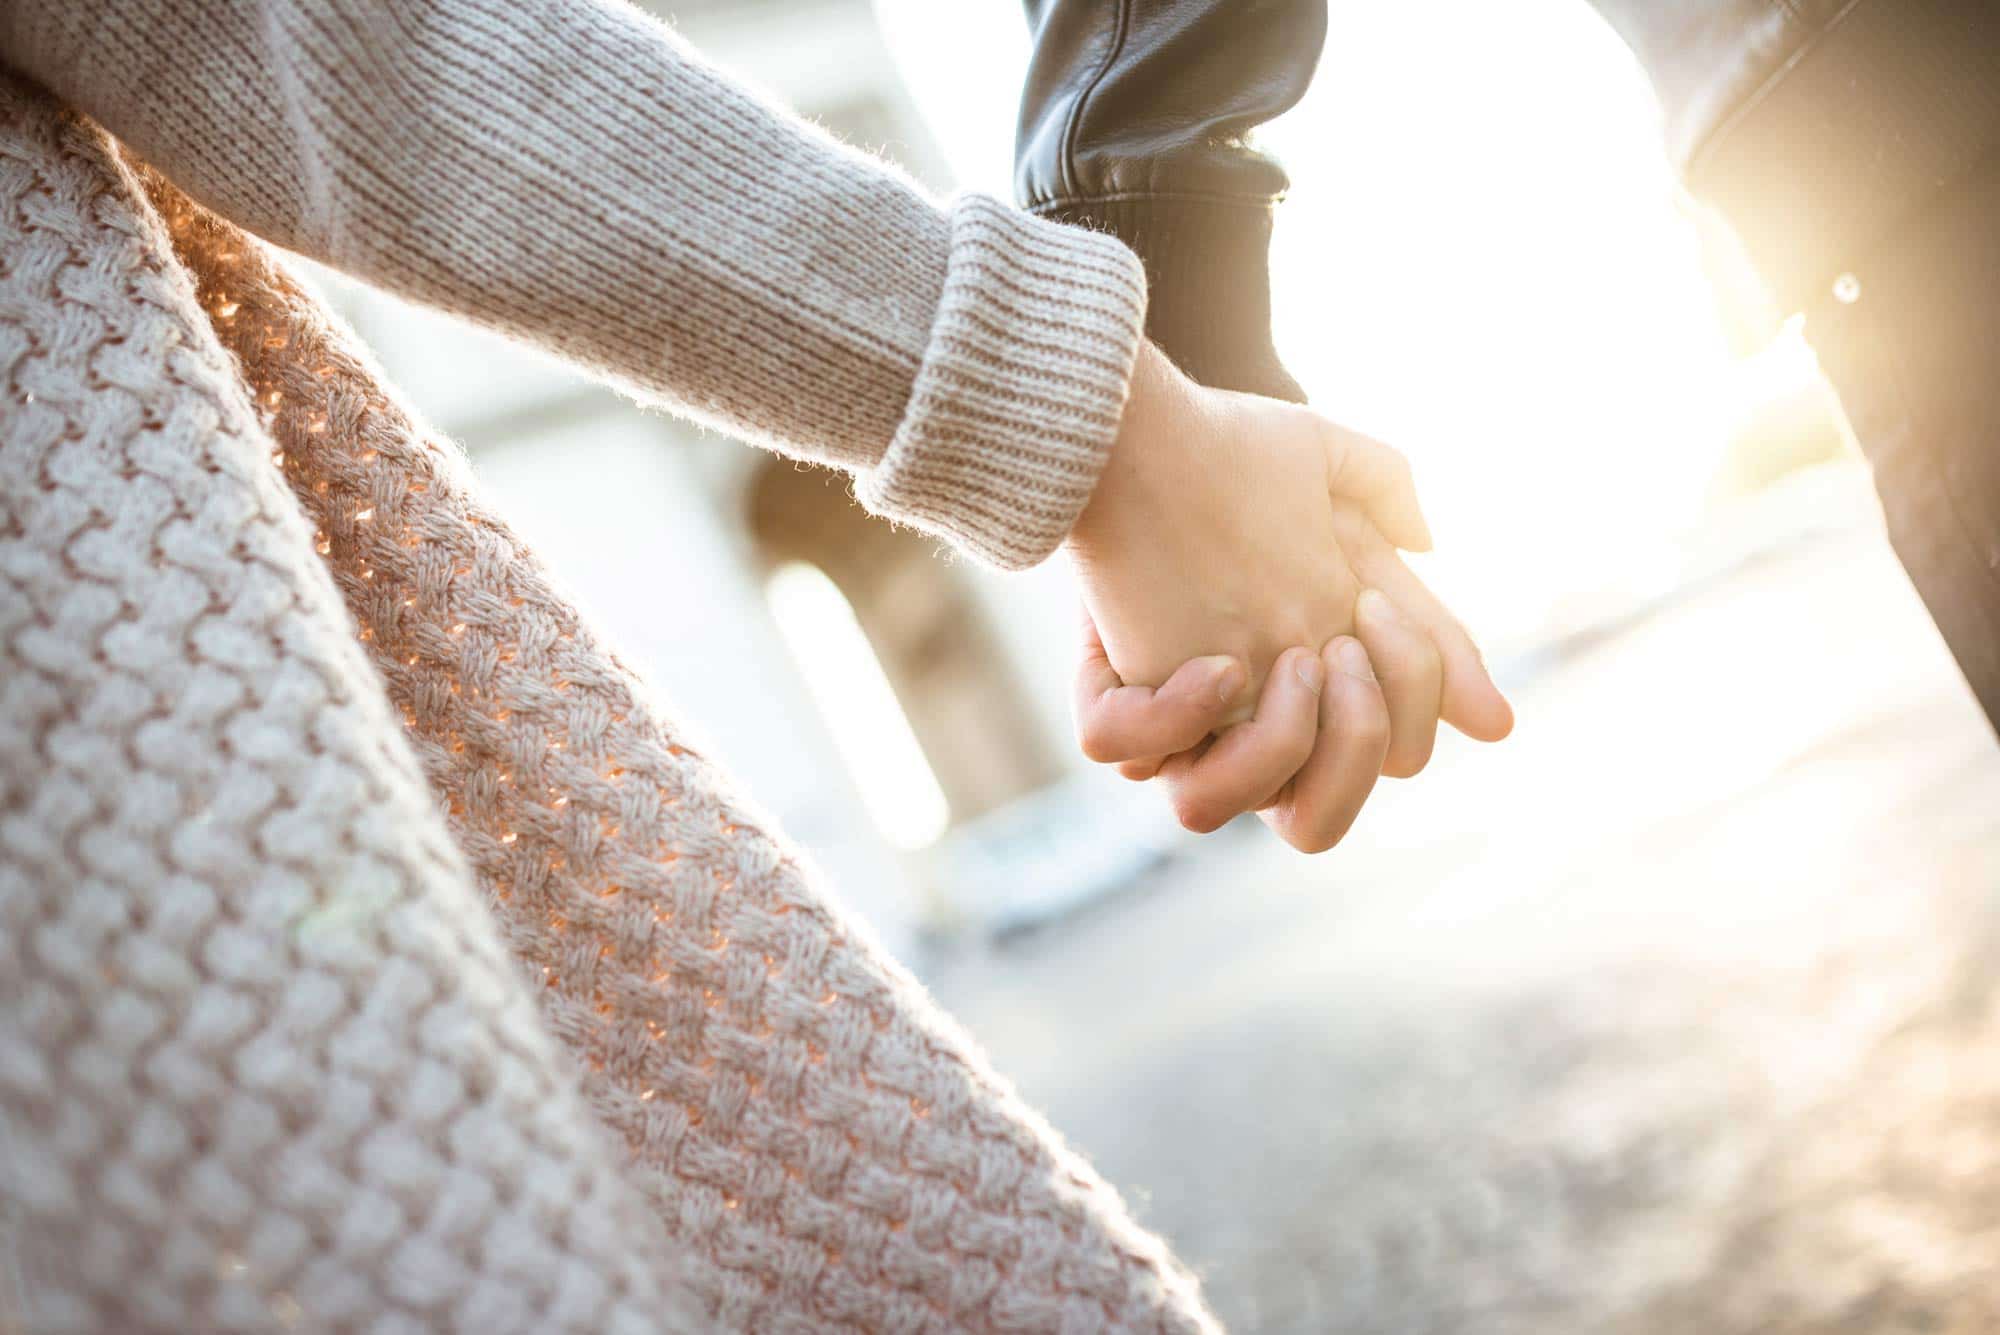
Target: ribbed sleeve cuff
[1208,265]
[1021,387]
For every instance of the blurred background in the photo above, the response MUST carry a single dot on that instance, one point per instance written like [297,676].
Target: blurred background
[1670,1013]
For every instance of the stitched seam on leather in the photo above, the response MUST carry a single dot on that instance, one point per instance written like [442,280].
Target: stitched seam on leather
[1039,206]
[1067,159]
[1914,420]
[1911,421]
[1734,120]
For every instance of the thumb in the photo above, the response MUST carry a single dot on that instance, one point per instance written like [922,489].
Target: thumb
[1120,724]
[1363,469]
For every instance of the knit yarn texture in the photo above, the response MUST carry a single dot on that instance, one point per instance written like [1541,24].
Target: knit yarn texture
[570,172]
[373,956]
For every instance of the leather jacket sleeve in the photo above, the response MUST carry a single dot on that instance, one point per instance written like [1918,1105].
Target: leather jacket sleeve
[1136,120]
[1819,128]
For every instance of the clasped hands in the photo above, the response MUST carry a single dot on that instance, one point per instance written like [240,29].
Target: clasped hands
[1251,639]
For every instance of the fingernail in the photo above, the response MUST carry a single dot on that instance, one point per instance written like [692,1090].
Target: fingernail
[1354,660]
[1228,680]
[1311,671]
[1374,605]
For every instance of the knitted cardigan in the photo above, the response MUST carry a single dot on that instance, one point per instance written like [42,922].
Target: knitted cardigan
[372,954]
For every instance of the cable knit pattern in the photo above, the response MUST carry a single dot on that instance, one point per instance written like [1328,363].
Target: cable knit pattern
[261,1060]
[264,1060]
[569,172]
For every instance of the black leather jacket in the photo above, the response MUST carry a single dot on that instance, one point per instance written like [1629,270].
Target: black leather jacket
[1812,126]
[1136,119]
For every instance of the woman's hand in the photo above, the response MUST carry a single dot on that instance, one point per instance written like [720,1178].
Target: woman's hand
[1308,759]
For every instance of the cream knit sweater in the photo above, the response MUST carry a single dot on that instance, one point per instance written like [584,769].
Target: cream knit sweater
[372,955]
[568,172]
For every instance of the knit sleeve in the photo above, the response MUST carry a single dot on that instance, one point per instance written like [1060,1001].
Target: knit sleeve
[570,173]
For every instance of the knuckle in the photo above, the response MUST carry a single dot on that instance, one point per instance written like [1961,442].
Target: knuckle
[1196,814]
[1369,727]
[1426,654]
[1407,764]
[1097,741]
[1189,724]
[1402,653]
[1312,835]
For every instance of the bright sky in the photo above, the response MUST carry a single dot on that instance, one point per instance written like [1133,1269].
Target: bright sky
[1481,261]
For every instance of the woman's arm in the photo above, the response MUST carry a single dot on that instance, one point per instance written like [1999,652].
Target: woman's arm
[1137,118]
[569,172]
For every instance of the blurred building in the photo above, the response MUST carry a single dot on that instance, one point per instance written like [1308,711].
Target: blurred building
[902,714]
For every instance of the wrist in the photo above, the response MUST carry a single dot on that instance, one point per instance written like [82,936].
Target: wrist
[1208,270]
[1021,388]
[1159,394]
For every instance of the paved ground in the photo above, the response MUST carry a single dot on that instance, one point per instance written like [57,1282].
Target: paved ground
[1679,1013]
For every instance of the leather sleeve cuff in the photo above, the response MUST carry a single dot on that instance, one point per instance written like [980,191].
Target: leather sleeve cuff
[1208,269]
[1021,388]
